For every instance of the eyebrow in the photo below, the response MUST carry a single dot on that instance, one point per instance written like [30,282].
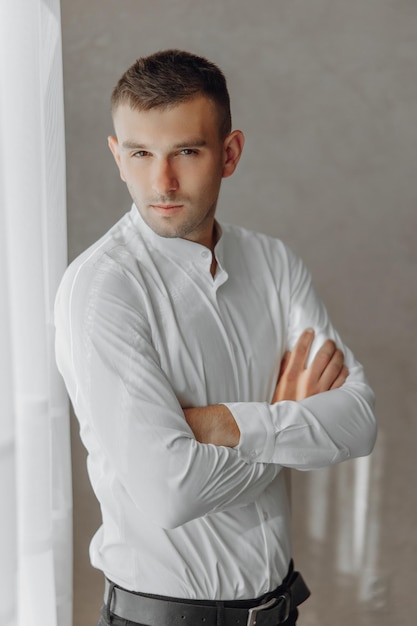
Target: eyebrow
[192,143]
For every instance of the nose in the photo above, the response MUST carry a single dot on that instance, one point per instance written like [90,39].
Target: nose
[164,179]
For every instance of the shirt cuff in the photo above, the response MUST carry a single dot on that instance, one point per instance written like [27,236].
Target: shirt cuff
[257,435]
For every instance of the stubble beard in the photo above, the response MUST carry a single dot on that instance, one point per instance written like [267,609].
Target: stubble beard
[167,226]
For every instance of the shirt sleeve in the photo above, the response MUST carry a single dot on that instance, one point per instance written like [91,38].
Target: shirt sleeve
[323,429]
[129,415]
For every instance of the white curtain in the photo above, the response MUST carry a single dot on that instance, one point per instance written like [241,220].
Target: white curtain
[35,476]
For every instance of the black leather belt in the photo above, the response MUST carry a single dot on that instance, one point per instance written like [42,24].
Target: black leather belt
[272,609]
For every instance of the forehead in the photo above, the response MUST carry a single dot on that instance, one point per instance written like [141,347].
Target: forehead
[196,117]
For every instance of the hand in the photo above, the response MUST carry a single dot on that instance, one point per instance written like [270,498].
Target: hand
[327,371]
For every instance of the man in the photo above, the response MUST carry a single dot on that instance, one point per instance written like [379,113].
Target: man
[187,348]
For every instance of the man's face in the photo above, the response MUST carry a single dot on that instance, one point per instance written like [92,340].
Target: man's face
[173,161]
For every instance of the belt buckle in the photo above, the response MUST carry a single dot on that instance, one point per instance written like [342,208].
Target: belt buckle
[253,613]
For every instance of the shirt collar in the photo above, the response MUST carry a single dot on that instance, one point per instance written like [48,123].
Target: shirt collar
[188,251]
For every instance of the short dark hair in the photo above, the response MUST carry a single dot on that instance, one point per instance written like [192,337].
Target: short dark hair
[169,77]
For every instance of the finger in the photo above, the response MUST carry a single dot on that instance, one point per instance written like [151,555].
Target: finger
[282,387]
[292,366]
[332,371]
[340,380]
[299,355]
[322,359]
[284,364]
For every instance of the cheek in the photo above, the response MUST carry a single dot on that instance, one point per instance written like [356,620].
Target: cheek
[134,178]
[211,181]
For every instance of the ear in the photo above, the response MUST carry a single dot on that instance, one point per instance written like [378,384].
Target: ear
[233,146]
[114,148]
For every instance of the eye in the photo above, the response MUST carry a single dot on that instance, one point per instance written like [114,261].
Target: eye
[188,151]
[140,153]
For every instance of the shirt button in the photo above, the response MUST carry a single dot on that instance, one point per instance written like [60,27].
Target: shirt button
[205,254]
[253,454]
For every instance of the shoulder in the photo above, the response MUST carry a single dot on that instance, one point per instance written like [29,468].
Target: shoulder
[118,248]
[262,259]
[254,244]
[102,270]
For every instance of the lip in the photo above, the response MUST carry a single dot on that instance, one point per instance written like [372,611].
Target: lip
[167,209]
[167,206]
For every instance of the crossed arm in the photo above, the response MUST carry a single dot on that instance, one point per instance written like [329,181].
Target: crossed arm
[113,373]
[215,424]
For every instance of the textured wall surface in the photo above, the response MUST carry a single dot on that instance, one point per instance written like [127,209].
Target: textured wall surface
[326,93]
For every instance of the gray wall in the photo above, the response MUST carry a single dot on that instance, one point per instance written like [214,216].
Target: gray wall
[326,93]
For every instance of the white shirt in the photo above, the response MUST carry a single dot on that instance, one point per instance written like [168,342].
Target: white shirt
[143,329]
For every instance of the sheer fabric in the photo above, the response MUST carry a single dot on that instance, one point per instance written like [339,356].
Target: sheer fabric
[35,490]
